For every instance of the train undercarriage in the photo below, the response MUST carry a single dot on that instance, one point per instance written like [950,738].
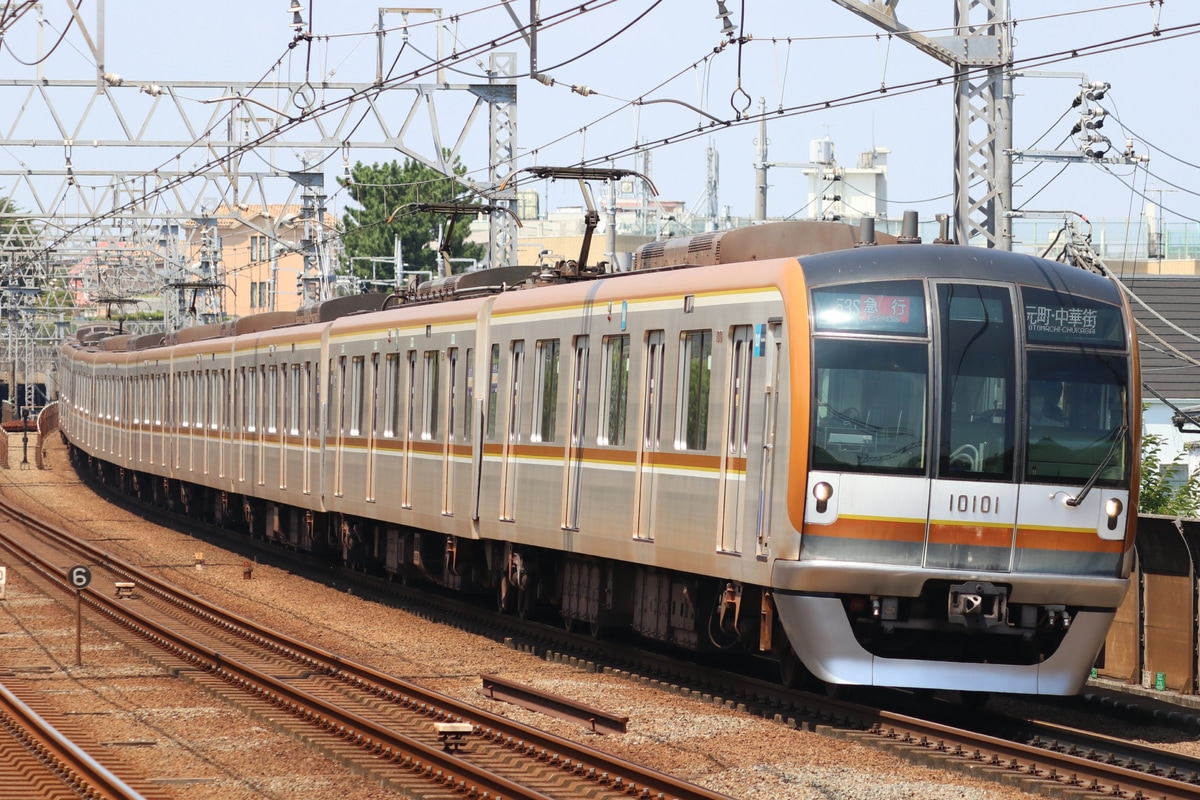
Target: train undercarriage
[587,594]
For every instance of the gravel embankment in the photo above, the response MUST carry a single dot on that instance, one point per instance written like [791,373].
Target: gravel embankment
[202,749]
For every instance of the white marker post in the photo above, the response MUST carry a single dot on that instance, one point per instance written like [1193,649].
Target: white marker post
[80,576]
[3,583]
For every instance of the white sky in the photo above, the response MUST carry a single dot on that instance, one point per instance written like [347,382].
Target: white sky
[833,53]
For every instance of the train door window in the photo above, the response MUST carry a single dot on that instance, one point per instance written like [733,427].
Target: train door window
[695,372]
[202,397]
[391,395]
[252,400]
[517,358]
[655,356]
[545,391]
[312,377]
[185,396]
[493,391]
[978,345]
[613,391]
[411,406]
[158,399]
[220,391]
[294,395]
[870,405]
[469,401]
[272,399]
[452,356]
[373,398]
[739,388]
[429,408]
[357,391]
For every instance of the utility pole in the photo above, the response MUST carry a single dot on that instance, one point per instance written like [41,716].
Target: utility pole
[980,53]
[760,165]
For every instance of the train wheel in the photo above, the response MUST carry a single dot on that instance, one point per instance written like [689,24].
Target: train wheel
[527,600]
[504,596]
[792,672]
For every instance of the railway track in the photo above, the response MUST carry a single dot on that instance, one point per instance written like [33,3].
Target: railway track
[398,732]
[37,759]
[1074,764]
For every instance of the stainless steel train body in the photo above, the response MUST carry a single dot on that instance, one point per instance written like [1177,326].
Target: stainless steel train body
[833,459]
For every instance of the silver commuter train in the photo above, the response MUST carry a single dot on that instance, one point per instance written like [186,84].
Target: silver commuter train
[900,465]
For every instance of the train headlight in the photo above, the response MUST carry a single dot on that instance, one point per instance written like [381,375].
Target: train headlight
[822,492]
[1113,509]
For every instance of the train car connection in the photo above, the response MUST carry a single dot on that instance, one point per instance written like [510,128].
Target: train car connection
[891,464]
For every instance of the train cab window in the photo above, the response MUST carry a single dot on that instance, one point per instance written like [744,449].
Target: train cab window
[614,391]
[429,407]
[978,344]
[871,397]
[695,373]
[1077,417]
[545,391]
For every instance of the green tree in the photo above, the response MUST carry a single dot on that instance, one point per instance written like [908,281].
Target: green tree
[380,192]
[1157,495]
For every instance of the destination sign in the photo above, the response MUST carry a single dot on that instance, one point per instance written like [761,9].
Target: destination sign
[894,307]
[1053,318]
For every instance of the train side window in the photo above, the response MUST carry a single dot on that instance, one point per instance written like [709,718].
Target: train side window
[545,391]
[493,391]
[614,391]
[429,399]
[695,375]
[391,394]
[185,394]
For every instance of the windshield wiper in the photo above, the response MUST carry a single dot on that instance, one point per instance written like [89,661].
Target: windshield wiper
[1118,437]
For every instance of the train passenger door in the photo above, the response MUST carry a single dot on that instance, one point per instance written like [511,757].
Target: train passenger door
[771,347]
[732,479]
[649,442]
[973,497]
[574,460]
[512,437]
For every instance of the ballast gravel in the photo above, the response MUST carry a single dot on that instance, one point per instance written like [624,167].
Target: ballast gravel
[197,748]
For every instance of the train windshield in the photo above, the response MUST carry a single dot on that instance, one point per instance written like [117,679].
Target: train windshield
[870,406]
[1077,417]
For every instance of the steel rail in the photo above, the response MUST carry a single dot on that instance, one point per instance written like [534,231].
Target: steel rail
[73,766]
[574,757]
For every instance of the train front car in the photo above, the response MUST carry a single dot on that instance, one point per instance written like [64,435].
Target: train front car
[968,510]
